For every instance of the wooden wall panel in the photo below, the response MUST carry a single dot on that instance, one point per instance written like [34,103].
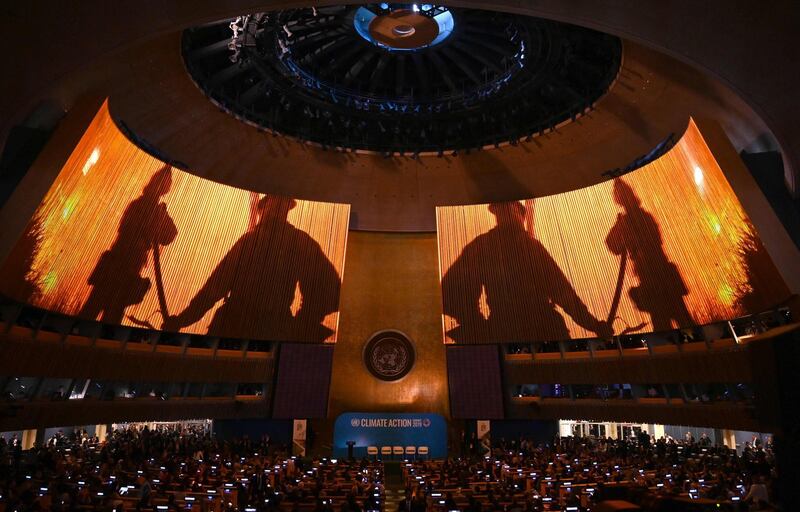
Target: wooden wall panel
[549,268]
[234,263]
[391,283]
[695,367]
[475,382]
[20,358]
[304,378]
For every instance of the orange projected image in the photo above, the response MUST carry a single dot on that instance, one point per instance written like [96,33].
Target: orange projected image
[663,247]
[125,239]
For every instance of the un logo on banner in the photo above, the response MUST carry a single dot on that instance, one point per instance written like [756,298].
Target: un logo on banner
[389,355]
[426,422]
[354,422]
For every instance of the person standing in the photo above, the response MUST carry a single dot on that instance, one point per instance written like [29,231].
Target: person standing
[661,287]
[257,281]
[522,285]
[116,280]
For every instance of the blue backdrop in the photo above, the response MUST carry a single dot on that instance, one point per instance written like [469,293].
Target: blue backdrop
[379,429]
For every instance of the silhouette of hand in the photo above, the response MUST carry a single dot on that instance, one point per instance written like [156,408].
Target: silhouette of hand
[604,330]
[171,323]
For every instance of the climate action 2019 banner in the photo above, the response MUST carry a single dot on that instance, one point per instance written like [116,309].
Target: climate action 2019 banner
[379,430]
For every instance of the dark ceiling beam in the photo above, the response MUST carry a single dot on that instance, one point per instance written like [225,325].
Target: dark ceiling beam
[215,23]
[479,30]
[340,60]
[306,41]
[462,65]
[442,67]
[321,52]
[478,55]
[253,93]
[374,79]
[356,69]
[422,73]
[229,73]
[314,25]
[211,49]
[400,75]
[486,44]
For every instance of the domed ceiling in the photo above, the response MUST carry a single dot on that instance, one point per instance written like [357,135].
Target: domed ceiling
[400,78]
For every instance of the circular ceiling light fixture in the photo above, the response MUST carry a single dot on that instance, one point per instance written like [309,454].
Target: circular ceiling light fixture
[402,27]
[403,30]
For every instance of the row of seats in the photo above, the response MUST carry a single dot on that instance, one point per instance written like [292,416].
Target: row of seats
[397,451]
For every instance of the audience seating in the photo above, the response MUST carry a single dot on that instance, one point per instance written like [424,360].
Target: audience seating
[249,475]
[575,472]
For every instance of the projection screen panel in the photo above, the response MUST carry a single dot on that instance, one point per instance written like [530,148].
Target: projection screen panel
[665,246]
[123,238]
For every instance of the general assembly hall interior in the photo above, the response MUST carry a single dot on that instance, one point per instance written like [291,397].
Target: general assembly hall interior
[475,256]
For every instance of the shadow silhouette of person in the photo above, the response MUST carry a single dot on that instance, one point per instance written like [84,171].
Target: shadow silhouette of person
[661,287]
[116,279]
[522,285]
[258,279]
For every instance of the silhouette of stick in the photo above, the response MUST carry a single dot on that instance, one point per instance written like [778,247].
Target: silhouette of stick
[162,296]
[612,312]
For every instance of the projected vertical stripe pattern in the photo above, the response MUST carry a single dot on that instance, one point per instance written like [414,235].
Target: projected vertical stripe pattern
[84,214]
[691,257]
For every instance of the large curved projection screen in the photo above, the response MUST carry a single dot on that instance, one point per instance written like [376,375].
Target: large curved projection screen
[666,246]
[123,238]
